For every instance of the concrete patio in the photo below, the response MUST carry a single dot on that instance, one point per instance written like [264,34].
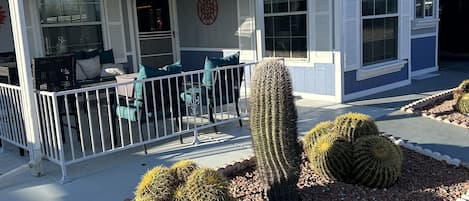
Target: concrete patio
[114,177]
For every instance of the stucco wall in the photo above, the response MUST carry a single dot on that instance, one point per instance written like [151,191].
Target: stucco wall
[6,36]
[221,34]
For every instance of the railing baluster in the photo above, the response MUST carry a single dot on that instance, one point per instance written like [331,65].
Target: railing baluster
[128,113]
[164,108]
[20,109]
[79,125]
[67,113]
[155,112]
[200,98]
[225,79]
[16,112]
[52,127]
[233,89]
[2,116]
[178,103]
[40,120]
[246,102]
[171,104]
[45,123]
[119,118]
[185,99]
[147,119]
[11,117]
[90,122]
[109,113]
[220,91]
[100,121]
[194,98]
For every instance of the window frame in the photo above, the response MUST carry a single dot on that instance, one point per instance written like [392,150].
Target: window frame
[362,18]
[425,17]
[101,23]
[308,34]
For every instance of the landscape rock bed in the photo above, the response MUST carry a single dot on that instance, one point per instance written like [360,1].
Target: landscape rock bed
[423,178]
[439,107]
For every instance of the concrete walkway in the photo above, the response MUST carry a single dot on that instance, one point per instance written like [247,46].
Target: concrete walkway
[114,177]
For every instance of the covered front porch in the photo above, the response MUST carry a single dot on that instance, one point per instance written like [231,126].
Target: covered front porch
[167,90]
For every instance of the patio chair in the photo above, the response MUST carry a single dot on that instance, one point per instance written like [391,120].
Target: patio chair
[159,94]
[57,73]
[223,89]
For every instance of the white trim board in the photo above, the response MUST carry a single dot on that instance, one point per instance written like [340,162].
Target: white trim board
[376,90]
[382,69]
[425,35]
[425,71]
[207,49]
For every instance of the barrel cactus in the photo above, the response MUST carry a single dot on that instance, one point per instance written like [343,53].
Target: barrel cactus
[180,194]
[182,169]
[157,184]
[319,130]
[462,105]
[462,89]
[207,184]
[331,157]
[273,129]
[355,125]
[377,162]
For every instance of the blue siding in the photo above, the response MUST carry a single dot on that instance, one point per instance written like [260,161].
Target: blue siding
[353,86]
[423,53]
[319,79]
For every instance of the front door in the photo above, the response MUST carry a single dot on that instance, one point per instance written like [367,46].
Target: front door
[156,32]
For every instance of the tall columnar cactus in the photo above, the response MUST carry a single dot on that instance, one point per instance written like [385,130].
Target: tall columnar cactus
[207,184]
[157,184]
[319,130]
[273,128]
[378,162]
[462,89]
[182,169]
[331,157]
[462,105]
[355,125]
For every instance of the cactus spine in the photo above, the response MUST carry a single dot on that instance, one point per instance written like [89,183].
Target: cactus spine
[461,89]
[354,125]
[319,130]
[207,184]
[462,105]
[182,169]
[180,194]
[158,184]
[331,157]
[273,129]
[378,162]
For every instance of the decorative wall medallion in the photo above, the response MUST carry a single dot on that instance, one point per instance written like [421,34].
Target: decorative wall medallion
[2,15]
[207,11]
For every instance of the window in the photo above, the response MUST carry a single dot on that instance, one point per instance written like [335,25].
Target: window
[423,9]
[380,31]
[285,28]
[71,25]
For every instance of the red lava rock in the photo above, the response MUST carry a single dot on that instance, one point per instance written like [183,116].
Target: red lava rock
[423,178]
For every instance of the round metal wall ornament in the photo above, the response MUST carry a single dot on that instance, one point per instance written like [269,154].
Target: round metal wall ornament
[207,11]
[2,16]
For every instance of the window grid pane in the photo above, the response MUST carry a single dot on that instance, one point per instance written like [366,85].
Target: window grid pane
[379,40]
[285,35]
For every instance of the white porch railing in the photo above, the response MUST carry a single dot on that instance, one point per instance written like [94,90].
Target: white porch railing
[11,116]
[86,123]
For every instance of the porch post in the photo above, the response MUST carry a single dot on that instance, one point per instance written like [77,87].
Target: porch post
[23,60]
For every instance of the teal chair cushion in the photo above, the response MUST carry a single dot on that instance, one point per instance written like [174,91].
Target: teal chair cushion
[144,73]
[149,72]
[211,63]
[125,112]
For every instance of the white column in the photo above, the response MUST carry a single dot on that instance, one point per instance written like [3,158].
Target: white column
[23,60]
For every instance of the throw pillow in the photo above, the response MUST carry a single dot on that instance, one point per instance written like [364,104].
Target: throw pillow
[107,57]
[109,70]
[211,63]
[90,67]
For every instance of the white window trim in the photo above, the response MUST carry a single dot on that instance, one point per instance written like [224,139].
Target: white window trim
[288,60]
[379,69]
[381,64]
[426,21]
[101,22]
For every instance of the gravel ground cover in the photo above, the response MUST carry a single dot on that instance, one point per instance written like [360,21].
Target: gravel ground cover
[446,110]
[423,178]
